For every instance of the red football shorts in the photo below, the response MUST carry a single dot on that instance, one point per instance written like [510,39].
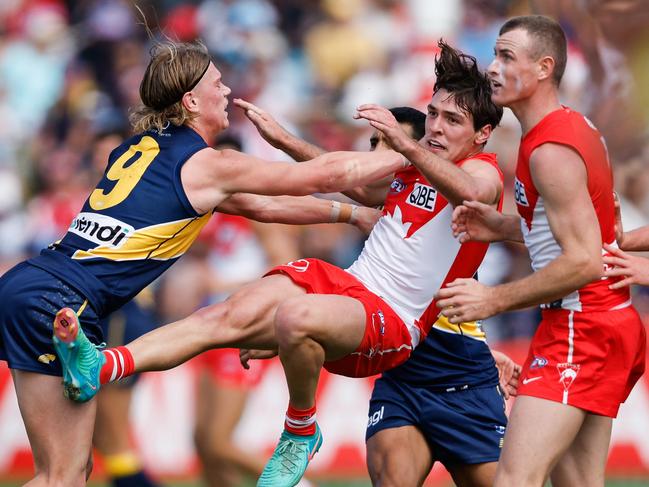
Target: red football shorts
[224,367]
[588,360]
[386,343]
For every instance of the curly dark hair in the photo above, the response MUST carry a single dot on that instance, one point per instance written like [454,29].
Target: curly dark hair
[458,74]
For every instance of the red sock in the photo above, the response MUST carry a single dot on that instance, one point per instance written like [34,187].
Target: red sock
[119,364]
[300,421]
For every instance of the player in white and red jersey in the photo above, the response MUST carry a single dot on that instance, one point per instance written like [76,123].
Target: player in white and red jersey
[589,349]
[350,323]
[385,301]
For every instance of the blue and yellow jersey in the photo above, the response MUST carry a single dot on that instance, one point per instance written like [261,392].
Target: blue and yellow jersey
[452,357]
[134,225]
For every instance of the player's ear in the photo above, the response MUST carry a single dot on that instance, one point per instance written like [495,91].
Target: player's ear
[545,67]
[189,102]
[482,135]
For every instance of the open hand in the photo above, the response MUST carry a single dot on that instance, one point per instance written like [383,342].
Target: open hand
[633,269]
[508,373]
[466,300]
[475,221]
[266,125]
[382,119]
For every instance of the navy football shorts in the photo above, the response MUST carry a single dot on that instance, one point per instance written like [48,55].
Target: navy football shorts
[462,427]
[30,299]
[125,325]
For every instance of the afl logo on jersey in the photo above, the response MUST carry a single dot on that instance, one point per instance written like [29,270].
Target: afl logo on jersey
[397,186]
[519,193]
[101,229]
[423,197]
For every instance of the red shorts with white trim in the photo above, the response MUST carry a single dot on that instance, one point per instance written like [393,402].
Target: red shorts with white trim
[588,360]
[224,367]
[386,343]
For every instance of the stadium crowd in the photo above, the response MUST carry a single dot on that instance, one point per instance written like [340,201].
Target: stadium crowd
[70,70]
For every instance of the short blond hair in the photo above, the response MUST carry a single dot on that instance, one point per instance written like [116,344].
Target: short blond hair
[174,69]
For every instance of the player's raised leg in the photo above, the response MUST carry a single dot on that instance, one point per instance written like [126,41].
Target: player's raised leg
[244,320]
[310,329]
[526,460]
[59,431]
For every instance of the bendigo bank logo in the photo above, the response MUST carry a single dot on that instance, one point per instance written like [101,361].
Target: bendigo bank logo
[101,229]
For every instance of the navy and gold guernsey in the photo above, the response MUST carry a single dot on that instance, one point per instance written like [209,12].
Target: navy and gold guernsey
[449,360]
[447,389]
[134,225]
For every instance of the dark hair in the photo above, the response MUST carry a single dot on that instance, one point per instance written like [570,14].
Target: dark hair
[458,74]
[413,117]
[550,40]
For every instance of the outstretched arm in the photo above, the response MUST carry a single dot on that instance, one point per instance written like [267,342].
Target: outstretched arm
[298,210]
[275,134]
[210,176]
[635,240]
[474,181]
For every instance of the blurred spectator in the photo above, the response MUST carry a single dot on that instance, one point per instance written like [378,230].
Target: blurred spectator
[341,44]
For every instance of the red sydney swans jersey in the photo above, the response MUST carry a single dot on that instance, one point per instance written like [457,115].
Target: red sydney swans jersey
[411,252]
[567,127]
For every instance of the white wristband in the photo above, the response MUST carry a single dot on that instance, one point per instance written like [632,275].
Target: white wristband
[335,212]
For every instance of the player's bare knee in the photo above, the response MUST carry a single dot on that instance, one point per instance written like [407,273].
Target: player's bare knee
[224,324]
[213,315]
[292,322]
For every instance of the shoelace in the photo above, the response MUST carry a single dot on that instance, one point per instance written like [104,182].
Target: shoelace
[289,451]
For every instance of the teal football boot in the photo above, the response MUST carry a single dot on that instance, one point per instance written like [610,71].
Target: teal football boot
[81,360]
[290,459]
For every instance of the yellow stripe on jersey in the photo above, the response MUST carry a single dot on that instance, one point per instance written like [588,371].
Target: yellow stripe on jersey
[82,308]
[471,329]
[162,242]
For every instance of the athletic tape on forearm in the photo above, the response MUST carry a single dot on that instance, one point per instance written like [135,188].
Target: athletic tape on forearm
[342,212]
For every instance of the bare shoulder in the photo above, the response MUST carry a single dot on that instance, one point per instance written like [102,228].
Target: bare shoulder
[487,178]
[210,162]
[555,155]
[558,170]
[480,167]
